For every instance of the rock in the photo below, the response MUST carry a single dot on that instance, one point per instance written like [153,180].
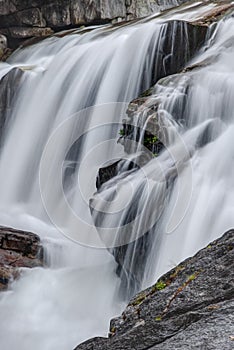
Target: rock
[26,32]
[3,42]
[61,14]
[17,249]
[9,86]
[5,51]
[190,307]
[5,54]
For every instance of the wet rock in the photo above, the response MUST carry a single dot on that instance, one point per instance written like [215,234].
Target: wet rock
[17,249]
[190,307]
[9,86]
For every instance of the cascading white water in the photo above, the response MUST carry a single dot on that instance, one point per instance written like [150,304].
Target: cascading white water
[74,298]
[199,107]
[58,307]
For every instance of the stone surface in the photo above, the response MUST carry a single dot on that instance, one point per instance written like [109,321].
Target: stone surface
[17,249]
[60,14]
[190,307]
[3,47]
[3,42]
[9,86]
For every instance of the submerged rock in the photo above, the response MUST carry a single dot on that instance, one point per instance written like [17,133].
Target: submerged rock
[17,249]
[190,307]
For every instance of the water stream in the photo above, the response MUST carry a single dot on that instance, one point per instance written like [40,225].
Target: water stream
[76,295]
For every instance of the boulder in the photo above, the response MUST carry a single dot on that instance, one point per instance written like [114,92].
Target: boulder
[190,307]
[17,249]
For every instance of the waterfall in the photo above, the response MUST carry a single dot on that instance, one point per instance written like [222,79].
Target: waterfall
[80,84]
[181,187]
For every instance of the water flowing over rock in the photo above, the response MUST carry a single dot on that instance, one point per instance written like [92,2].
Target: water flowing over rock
[68,96]
[191,307]
[17,249]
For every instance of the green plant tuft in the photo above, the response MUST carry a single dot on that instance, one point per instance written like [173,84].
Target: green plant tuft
[160,285]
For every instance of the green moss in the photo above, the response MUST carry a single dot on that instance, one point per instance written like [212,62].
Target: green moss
[139,299]
[147,93]
[192,277]
[160,285]
[150,140]
[121,132]
[158,318]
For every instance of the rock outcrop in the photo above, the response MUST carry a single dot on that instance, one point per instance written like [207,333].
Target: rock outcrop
[190,307]
[17,249]
[39,18]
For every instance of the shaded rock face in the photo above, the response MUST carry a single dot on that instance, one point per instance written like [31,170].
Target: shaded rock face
[24,19]
[191,307]
[17,249]
[9,86]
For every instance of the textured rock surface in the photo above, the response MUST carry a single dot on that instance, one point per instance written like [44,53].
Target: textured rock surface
[41,17]
[191,307]
[17,249]
[9,86]
[3,47]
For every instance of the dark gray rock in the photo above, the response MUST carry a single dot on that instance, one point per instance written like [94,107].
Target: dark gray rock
[59,14]
[9,85]
[190,307]
[17,249]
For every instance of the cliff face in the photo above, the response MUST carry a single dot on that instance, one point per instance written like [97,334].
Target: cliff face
[191,307]
[21,19]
